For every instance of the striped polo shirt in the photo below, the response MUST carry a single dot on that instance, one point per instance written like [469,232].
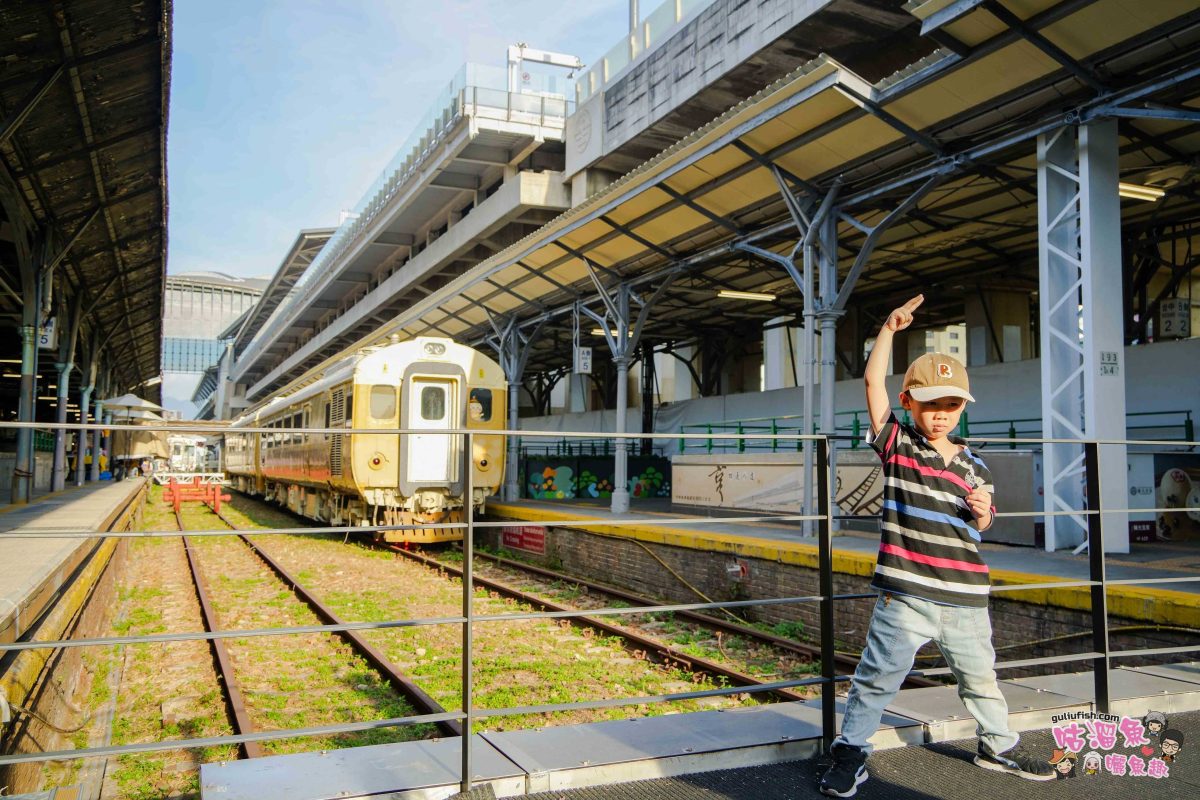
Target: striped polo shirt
[927,547]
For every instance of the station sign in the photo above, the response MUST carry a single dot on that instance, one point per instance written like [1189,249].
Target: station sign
[583,360]
[530,538]
[1174,318]
[48,334]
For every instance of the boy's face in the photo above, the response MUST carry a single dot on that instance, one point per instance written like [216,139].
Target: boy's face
[935,419]
[1171,747]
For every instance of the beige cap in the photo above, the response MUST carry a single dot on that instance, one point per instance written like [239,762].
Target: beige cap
[935,375]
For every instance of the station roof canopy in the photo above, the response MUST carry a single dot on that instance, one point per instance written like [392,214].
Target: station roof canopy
[301,254]
[83,116]
[949,141]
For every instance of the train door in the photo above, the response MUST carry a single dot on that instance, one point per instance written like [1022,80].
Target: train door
[431,456]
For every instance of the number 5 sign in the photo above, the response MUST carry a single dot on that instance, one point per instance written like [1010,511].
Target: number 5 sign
[48,335]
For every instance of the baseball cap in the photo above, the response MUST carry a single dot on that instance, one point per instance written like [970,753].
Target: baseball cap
[935,375]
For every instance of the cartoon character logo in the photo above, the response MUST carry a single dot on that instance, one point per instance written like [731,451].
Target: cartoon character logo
[944,370]
[1171,743]
[1155,722]
[1064,763]
[1092,763]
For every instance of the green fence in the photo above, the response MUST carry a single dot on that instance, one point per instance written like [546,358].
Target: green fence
[1157,425]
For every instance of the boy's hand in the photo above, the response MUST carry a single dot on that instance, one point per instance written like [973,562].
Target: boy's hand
[980,503]
[902,317]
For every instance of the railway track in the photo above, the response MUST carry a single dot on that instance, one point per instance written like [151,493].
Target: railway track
[235,700]
[237,707]
[809,652]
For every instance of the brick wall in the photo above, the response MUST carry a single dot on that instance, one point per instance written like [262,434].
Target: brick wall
[677,575]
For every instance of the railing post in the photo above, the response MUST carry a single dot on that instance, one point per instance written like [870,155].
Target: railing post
[964,427]
[741,442]
[825,581]
[856,429]
[468,548]
[1100,666]
[774,431]
[1189,429]
[710,438]
[1012,434]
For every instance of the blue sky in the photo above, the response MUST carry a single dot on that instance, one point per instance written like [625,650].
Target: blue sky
[284,111]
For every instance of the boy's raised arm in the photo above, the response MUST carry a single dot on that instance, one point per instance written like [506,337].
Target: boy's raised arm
[878,403]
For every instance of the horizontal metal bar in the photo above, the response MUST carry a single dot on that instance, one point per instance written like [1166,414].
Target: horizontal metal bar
[1139,581]
[216,741]
[1154,651]
[1017,587]
[1027,662]
[413,623]
[351,727]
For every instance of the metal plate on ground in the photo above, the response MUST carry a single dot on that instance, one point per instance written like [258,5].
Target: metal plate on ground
[945,717]
[421,770]
[1188,672]
[675,744]
[1131,692]
[894,730]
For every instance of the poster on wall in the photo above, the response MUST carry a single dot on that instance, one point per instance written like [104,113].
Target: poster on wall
[1164,481]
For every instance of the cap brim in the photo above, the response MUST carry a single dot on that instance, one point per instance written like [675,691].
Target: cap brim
[926,394]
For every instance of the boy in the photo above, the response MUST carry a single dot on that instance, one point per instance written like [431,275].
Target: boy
[931,580]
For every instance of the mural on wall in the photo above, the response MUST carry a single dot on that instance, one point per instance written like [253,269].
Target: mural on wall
[591,477]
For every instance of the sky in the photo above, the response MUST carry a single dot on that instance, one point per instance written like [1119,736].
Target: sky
[283,112]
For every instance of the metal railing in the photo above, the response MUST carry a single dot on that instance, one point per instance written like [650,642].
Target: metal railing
[1100,656]
[764,433]
[476,90]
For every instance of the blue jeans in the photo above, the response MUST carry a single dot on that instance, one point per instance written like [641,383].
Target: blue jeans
[899,626]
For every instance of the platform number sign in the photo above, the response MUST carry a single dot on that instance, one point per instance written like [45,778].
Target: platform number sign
[583,360]
[1175,318]
[1110,364]
[48,334]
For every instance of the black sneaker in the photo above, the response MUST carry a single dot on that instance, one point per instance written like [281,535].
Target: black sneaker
[848,771]
[1016,761]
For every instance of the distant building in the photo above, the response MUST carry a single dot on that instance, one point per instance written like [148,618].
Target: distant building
[199,307]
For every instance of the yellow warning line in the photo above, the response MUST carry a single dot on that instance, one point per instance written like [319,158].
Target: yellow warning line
[1161,606]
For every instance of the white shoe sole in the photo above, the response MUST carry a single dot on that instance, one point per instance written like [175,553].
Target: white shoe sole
[1029,776]
[858,781]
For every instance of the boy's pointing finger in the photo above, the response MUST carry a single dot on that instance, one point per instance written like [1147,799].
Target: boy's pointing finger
[912,305]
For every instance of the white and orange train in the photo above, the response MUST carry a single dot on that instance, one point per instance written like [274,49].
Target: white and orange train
[424,386]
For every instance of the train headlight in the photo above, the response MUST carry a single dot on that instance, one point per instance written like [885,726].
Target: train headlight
[377,461]
[483,464]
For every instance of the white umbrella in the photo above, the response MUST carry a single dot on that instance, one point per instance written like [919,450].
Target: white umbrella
[131,401]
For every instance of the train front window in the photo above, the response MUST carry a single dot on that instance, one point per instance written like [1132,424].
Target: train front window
[383,402]
[479,406]
[433,403]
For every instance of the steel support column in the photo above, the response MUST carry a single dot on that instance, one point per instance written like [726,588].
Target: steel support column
[1082,344]
[622,335]
[512,347]
[65,365]
[24,463]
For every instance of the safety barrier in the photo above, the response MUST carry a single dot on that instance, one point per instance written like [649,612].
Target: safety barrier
[825,517]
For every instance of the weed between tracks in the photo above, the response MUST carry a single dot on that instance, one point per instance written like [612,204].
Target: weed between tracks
[515,663]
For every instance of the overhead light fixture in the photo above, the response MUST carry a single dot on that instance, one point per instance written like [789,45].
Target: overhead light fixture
[736,295]
[613,331]
[1136,191]
[157,379]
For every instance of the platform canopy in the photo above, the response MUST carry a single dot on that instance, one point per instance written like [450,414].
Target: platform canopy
[953,136]
[83,192]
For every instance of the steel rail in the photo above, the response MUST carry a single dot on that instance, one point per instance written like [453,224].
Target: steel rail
[235,701]
[725,626]
[665,652]
[402,683]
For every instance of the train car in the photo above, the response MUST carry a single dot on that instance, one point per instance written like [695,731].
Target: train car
[425,385]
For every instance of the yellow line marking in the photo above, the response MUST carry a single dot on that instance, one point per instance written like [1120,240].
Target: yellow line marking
[1161,606]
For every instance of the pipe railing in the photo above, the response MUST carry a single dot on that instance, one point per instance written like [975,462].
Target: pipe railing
[1100,655]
